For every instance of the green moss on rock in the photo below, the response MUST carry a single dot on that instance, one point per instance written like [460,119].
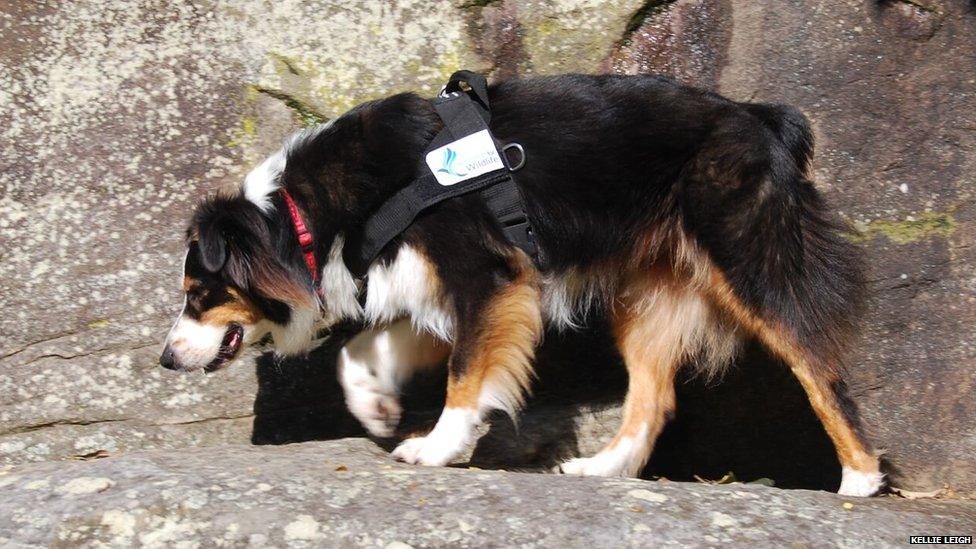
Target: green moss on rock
[910,230]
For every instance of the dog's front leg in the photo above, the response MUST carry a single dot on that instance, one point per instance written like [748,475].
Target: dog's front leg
[375,364]
[490,367]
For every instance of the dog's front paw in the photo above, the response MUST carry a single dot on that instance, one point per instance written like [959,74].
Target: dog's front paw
[451,436]
[428,450]
[600,465]
[372,401]
[378,412]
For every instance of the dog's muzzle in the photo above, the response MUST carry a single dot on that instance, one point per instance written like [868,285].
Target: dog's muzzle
[230,346]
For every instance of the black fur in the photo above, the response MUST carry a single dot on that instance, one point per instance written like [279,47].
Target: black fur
[608,158]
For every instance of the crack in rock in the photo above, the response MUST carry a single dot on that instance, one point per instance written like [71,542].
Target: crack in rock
[308,114]
[132,421]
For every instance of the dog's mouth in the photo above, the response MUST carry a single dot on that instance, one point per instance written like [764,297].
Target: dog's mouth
[229,347]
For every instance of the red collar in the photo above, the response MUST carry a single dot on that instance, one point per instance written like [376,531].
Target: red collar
[305,240]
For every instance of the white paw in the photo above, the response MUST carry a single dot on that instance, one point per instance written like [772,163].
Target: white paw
[860,485]
[428,450]
[625,458]
[452,434]
[596,466]
[371,399]
[377,411]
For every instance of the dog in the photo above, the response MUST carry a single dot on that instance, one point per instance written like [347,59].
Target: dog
[686,219]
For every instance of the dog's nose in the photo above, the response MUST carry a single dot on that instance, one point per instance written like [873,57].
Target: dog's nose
[167,359]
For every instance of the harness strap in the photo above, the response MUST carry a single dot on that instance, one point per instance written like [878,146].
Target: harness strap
[505,202]
[400,211]
[464,112]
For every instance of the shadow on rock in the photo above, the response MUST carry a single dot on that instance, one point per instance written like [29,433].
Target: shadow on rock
[755,422]
[299,399]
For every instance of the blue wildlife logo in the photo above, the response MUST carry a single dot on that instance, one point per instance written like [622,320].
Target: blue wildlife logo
[447,165]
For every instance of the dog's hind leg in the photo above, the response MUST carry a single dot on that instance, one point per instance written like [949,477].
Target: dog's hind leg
[781,264]
[827,392]
[490,366]
[374,365]
[658,323]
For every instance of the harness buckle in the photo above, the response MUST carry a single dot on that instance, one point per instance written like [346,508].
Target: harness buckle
[444,94]
[521,161]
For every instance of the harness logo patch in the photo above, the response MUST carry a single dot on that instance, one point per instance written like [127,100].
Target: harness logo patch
[448,165]
[464,159]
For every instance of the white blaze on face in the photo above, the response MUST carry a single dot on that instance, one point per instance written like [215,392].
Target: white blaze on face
[194,344]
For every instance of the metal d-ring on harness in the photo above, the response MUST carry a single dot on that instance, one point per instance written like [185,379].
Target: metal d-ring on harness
[464,108]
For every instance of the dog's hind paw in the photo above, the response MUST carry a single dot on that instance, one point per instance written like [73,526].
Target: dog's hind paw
[860,485]
[596,466]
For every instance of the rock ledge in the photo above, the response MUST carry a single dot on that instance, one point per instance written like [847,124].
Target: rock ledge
[348,492]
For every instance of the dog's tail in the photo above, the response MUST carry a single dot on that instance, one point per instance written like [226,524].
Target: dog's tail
[749,202]
[790,126]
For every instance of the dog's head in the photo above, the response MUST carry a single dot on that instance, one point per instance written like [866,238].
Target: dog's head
[238,288]
[244,273]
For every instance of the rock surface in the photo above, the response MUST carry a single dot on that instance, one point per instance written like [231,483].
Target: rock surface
[348,493]
[116,116]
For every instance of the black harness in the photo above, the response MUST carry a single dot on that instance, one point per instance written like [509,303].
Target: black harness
[464,108]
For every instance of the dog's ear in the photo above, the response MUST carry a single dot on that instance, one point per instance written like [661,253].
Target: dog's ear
[213,245]
[229,232]
[235,243]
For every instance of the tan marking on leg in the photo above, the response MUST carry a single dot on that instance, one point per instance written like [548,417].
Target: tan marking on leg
[659,321]
[496,374]
[656,323]
[816,381]
[502,358]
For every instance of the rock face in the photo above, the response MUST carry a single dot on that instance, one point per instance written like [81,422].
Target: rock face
[345,493]
[115,117]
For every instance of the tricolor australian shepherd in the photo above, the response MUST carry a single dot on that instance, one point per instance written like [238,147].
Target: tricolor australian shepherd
[687,219]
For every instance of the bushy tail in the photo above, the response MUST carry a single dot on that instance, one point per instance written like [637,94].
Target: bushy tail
[790,126]
[748,200]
